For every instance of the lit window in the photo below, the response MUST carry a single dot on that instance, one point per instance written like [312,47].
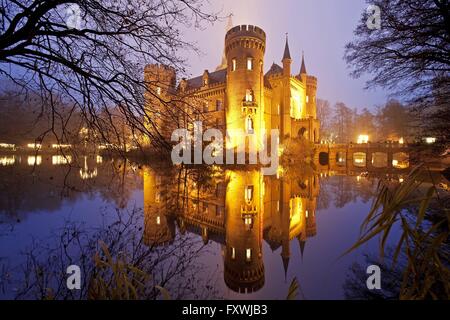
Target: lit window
[249,95]
[249,193]
[248,254]
[249,63]
[233,64]
[158,90]
[233,253]
[278,109]
[307,99]
[158,220]
[306,213]
[249,125]
[278,205]
[248,221]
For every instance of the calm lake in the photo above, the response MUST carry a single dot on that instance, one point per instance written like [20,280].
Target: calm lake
[212,233]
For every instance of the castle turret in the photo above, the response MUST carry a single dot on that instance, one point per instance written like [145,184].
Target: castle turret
[244,48]
[287,60]
[244,266]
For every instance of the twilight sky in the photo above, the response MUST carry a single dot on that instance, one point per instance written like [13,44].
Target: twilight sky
[319,27]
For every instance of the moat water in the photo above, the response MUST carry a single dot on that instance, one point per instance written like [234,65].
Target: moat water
[210,233]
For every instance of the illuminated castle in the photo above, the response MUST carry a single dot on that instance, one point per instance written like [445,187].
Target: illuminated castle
[239,213]
[238,94]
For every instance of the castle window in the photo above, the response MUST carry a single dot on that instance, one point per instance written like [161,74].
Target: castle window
[249,63]
[249,95]
[248,254]
[233,64]
[248,193]
[249,125]
[218,105]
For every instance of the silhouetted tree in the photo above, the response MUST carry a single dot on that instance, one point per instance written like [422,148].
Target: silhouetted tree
[409,54]
[92,53]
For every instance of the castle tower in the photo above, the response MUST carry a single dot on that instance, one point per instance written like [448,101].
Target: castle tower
[244,268]
[244,49]
[285,123]
[159,229]
[160,81]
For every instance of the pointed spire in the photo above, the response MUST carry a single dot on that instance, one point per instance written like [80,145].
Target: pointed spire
[223,64]
[287,54]
[285,265]
[303,67]
[302,244]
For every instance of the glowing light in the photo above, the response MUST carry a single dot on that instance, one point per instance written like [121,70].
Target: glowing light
[400,180]
[248,254]
[363,138]
[99,159]
[34,160]
[59,159]
[7,145]
[430,140]
[158,220]
[395,163]
[401,141]
[34,145]
[7,161]
[60,146]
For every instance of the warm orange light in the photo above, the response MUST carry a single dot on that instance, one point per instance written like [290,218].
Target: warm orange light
[363,138]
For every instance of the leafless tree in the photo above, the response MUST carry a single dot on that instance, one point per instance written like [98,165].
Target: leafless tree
[92,54]
[409,54]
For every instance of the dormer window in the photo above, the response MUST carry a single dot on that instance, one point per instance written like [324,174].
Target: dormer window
[205,82]
[249,95]
[233,64]
[249,63]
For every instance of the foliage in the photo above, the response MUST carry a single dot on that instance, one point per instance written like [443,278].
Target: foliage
[427,273]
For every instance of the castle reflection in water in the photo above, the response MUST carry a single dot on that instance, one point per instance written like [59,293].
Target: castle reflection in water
[238,209]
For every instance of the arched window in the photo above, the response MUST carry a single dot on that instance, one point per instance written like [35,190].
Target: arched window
[249,95]
[233,64]
[249,125]
[249,63]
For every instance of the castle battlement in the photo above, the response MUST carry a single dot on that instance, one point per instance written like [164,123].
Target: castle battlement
[246,31]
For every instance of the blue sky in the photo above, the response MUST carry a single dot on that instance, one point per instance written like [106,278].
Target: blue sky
[319,27]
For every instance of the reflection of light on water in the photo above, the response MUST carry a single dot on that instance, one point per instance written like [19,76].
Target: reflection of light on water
[85,173]
[61,146]
[34,145]
[59,159]
[88,174]
[7,160]
[7,145]
[34,160]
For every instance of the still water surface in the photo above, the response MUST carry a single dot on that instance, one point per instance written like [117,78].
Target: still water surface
[236,233]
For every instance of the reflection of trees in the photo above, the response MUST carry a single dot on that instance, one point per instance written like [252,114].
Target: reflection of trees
[46,187]
[355,287]
[342,190]
[175,267]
